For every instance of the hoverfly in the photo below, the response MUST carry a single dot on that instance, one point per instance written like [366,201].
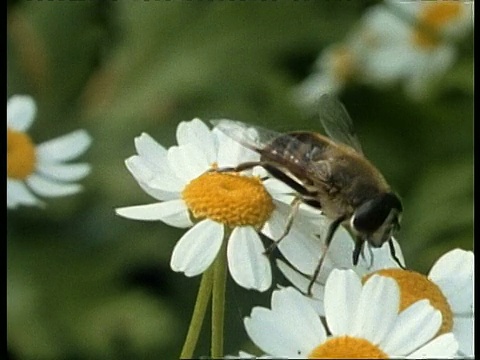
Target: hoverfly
[328,173]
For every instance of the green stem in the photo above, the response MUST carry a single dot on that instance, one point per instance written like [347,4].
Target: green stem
[218,302]
[203,298]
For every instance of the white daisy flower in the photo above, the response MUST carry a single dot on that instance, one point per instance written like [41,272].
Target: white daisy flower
[363,322]
[449,288]
[214,205]
[337,66]
[413,42]
[453,274]
[409,42]
[40,169]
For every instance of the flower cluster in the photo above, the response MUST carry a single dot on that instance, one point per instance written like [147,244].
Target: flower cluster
[411,43]
[373,310]
[362,321]
[382,313]
[215,206]
[40,169]
[215,186]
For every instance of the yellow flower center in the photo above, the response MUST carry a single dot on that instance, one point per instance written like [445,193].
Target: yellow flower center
[21,158]
[343,63]
[347,347]
[415,286]
[433,16]
[229,198]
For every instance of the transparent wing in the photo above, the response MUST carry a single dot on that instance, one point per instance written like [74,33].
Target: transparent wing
[298,152]
[250,136]
[337,123]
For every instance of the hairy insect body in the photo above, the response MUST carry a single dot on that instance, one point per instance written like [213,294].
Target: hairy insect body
[334,175]
[329,173]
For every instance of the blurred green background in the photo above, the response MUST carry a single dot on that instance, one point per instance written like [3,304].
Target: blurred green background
[83,283]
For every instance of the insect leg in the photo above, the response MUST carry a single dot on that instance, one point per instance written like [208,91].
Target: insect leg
[274,171]
[291,216]
[244,166]
[392,253]
[370,252]
[285,178]
[303,195]
[328,239]
[357,250]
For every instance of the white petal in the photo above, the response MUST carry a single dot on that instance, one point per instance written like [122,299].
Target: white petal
[299,246]
[302,283]
[301,250]
[149,149]
[167,182]
[231,152]
[12,202]
[241,133]
[275,334]
[442,347]
[311,222]
[392,262]
[271,336]
[453,273]
[381,69]
[152,154]
[64,172]
[259,171]
[158,194]
[21,110]
[296,309]
[18,194]
[187,161]
[248,264]
[245,355]
[197,133]
[172,212]
[277,187]
[413,327]
[339,253]
[464,331]
[386,25]
[374,322]
[277,222]
[241,355]
[197,248]
[151,181]
[50,188]
[427,66]
[158,177]
[342,291]
[64,148]
[380,258]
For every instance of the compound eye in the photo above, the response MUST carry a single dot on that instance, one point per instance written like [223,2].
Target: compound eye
[371,215]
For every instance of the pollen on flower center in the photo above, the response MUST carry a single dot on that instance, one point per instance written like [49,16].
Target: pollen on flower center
[415,286]
[229,198]
[433,16]
[347,347]
[21,157]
